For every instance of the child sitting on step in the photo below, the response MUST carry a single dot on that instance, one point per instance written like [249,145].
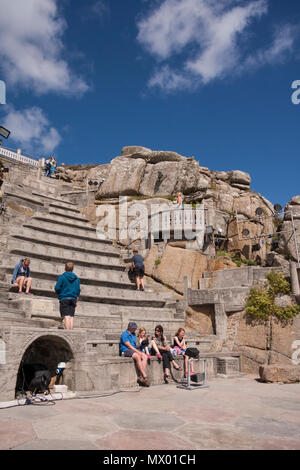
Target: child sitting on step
[179,345]
[146,345]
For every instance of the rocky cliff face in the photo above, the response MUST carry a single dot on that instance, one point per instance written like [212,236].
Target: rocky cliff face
[289,240]
[232,206]
[251,232]
[143,173]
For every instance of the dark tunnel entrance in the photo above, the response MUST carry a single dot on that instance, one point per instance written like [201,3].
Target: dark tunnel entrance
[45,353]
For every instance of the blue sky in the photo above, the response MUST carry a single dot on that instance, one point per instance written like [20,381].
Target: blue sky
[205,78]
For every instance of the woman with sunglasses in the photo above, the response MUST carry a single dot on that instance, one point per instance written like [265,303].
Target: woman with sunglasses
[164,349]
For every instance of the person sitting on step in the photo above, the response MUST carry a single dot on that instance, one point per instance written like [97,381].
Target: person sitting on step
[21,276]
[146,345]
[138,268]
[164,349]
[179,345]
[128,349]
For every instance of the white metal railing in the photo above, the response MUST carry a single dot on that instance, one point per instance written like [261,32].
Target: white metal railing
[19,157]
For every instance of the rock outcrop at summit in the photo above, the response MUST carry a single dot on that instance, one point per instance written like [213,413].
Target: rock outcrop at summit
[290,237]
[142,172]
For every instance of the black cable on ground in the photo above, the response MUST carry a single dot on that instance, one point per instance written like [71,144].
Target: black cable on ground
[46,402]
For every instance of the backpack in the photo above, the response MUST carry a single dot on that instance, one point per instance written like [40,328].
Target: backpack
[192,353]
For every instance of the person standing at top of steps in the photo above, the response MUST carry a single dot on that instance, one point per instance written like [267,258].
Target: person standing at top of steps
[68,290]
[138,268]
[128,349]
[21,276]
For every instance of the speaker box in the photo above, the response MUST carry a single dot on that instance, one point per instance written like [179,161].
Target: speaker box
[199,377]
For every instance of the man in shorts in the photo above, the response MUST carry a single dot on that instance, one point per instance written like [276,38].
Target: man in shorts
[68,290]
[128,349]
[138,268]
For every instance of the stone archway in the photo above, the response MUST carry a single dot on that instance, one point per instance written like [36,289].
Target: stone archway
[48,350]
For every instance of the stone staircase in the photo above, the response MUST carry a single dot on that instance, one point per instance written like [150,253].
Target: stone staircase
[55,231]
[45,224]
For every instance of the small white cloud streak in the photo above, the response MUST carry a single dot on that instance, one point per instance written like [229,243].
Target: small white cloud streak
[31,129]
[100,8]
[283,43]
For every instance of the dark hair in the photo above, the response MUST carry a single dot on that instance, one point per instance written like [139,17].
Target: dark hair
[161,330]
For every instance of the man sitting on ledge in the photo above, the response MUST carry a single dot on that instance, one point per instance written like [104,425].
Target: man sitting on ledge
[128,349]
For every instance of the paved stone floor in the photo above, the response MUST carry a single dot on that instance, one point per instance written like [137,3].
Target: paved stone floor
[239,413]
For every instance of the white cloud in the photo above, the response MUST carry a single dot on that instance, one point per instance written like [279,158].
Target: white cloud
[283,43]
[203,38]
[32,50]
[31,130]
[99,8]
[169,80]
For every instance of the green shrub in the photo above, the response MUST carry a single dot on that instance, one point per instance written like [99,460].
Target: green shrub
[223,253]
[157,261]
[238,261]
[278,284]
[261,302]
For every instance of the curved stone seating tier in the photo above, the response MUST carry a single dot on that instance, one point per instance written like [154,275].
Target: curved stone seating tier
[56,232]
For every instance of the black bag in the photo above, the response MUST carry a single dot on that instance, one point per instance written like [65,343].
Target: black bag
[145,343]
[36,378]
[192,352]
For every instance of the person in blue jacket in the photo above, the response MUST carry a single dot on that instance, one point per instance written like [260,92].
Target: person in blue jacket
[21,276]
[68,290]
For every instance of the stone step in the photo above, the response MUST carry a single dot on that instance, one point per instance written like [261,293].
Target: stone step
[60,205]
[63,228]
[64,241]
[67,204]
[62,255]
[110,345]
[19,321]
[105,295]
[101,279]
[102,327]
[60,184]
[72,217]
[49,307]
[103,321]
[42,186]
[18,194]
[62,220]
[11,312]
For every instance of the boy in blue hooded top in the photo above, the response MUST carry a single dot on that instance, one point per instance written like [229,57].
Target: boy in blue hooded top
[68,290]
